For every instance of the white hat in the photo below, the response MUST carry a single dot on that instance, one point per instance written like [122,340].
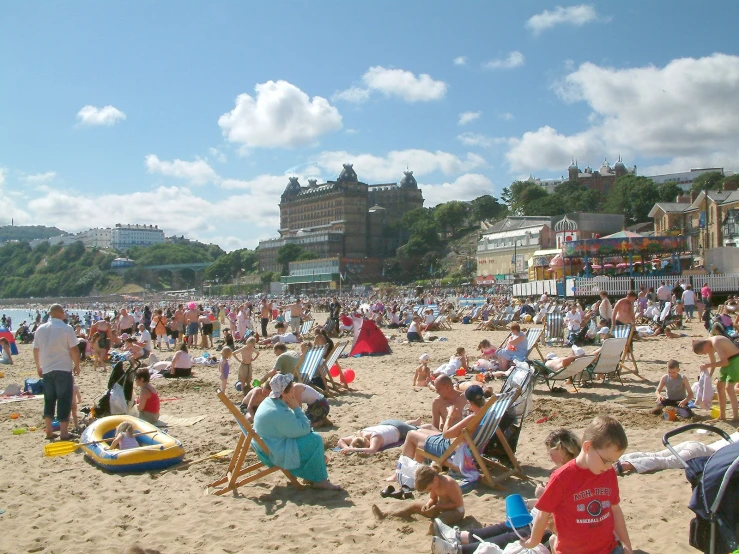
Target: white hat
[604,331]
[577,351]
[551,356]
[424,358]
[278,384]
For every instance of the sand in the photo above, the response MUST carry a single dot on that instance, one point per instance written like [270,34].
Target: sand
[65,504]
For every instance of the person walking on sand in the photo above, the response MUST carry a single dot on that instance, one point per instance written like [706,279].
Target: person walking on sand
[57,358]
[728,362]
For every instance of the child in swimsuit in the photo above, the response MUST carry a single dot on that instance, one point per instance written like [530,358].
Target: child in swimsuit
[124,438]
[223,366]
[422,376]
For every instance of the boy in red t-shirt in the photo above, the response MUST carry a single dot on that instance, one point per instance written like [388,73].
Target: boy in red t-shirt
[583,497]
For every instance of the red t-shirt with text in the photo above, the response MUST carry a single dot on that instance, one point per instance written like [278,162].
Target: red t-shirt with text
[580,502]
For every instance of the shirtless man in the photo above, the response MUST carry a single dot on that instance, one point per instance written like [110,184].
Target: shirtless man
[446,409]
[179,324]
[623,310]
[728,362]
[264,313]
[296,312]
[126,323]
[104,343]
[191,326]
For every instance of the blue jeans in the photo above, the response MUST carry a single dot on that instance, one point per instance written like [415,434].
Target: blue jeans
[436,445]
[413,337]
[58,394]
[690,308]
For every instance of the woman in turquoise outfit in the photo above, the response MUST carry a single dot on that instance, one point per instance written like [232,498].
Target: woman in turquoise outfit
[286,431]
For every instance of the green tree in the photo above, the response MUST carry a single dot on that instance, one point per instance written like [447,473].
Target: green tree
[577,197]
[522,194]
[732,180]
[668,192]
[288,253]
[550,204]
[487,208]
[306,255]
[414,216]
[711,180]
[450,216]
[632,196]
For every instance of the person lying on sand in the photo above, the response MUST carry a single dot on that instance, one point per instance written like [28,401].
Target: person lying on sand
[445,502]
[371,440]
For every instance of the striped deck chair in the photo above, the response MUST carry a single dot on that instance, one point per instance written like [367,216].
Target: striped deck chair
[533,338]
[573,371]
[627,332]
[305,328]
[554,326]
[333,386]
[609,362]
[236,475]
[309,364]
[478,433]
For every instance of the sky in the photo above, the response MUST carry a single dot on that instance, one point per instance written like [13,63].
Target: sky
[192,115]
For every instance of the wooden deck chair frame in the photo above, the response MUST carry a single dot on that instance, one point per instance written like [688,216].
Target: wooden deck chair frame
[609,359]
[236,475]
[310,363]
[306,327]
[533,338]
[572,372]
[482,427]
[627,332]
[326,366]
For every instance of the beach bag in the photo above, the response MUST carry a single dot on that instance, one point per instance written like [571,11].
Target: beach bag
[488,548]
[33,386]
[118,404]
[405,471]
[516,548]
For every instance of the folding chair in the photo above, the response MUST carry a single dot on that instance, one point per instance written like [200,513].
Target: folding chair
[328,364]
[309,364]
[235,471]
[572,372]
[554,326]
[476,435]
[305,328]
[533,337]
[627,332]
[609,359]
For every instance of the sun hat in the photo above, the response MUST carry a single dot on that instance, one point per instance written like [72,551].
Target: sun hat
[424,358]
[604,331]
[278,384]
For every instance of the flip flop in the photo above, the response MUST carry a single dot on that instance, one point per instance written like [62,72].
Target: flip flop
[388,491]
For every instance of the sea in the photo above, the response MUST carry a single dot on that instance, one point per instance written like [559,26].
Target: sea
[17,316]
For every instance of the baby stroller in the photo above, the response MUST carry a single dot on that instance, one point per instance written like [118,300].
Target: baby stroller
[119,376]
[715,499]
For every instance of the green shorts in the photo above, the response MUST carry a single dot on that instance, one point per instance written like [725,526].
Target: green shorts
[730,373]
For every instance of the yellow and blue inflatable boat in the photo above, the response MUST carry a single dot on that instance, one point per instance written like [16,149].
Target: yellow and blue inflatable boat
[156,450]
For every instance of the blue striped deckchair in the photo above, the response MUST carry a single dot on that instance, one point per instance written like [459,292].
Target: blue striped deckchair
[310,362]
[305,328]
[328,364]
[626,332]
[478,433]
[235,471]
[554,326]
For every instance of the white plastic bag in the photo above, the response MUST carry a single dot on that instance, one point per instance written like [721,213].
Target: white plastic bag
[516,548]
[118,404]
[405,471]
[488,548]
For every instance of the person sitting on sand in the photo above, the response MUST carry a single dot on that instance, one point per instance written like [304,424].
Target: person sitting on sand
[422,375]
[124,437]
[148,397]
[562,446]
[434,441]
[316,405]
[5,353]
[413,334]
[679,392]
[445,502]
[514,348]
[728,362]
[287,433]
[181,364]
[253,399]
[285,338]
[371,440]
[486,349]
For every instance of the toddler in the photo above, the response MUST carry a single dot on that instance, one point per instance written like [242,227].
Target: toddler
[422,376]
[124,437]
[679,391]
[223,367]
[76,399]
[246,356]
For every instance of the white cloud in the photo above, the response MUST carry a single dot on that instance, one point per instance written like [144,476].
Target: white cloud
[507,116]
[198,172]
[460,60]
[281,116]
[40,178]
[356,95]
[108,115]
[479,140]
[217,155]
[514,59]
[571,15]
[10,210]
[371,168]
[398,82]
[466,187]
[681,112]
[467,117]
[351,131]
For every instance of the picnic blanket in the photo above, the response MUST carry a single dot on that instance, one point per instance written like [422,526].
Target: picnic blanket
[18,398]
[175,421]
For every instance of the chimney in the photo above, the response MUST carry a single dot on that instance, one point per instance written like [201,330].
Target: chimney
[682,199]
[729,186]
[693,196]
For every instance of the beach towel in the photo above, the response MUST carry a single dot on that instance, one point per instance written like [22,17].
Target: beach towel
[19,398]
[703,391]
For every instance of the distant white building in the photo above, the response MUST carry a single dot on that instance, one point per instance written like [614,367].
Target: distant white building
[123,237]
[95,238]
[686,179]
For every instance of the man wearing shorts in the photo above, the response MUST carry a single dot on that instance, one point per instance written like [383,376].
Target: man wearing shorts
[57,358]
[191,326]
[264,316]
[178,325]
[126,323]
[728,361]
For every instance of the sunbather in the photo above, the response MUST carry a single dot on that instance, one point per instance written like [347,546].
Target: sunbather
[371,440]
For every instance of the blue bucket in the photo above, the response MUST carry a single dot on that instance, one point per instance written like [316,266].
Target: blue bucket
[517,515]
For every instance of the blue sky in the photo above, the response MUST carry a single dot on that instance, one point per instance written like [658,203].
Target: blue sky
[192,115]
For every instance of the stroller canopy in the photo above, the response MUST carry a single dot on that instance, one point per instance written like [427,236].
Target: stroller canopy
[5,333]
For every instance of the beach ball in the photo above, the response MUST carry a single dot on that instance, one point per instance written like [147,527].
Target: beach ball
[348,376]
[334,371]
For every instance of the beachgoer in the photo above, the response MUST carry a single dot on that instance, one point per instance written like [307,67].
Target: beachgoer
[371,440]
[224,367]
[457,361]
[679,392]
[124,437]
[148,403]
[728,362]
[514,348]
[5,353]
[181,364]
[316,405]
[57,359]
[246,356]
[413,334]
[286,363]
[287,433]
[253,399]
[422,375]
[623,310]
[588,481]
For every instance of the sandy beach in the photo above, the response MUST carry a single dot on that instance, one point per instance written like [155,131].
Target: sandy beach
[65,504]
